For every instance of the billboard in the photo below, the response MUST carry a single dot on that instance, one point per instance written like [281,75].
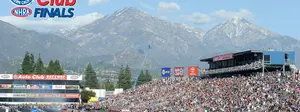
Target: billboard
[38,77]
[223,57]
[6,76]
[166,72]
[29,95]
[45,86]
[72,95]
[5,86]
[58,87]
[19,86]
[74,77]
[72,87]
[193,71]
[179,71]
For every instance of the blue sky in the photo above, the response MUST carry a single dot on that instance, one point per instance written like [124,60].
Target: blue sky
[276,15]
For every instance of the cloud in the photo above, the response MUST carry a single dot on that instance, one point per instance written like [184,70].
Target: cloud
[227,15]
[95,2]
[51,24]
[196,18]
[167,7]
[146,6]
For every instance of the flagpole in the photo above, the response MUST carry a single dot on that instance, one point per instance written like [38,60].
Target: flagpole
[149,47]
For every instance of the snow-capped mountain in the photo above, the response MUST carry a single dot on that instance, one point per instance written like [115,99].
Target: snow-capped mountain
[126,33]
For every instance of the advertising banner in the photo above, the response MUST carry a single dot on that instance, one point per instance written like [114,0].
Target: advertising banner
[179,71]
[58,87]
[6,86]
[72,95]
[38,77]
[223,57]
[34,87]
[45,95]
[72,87]
[19,95]
[193,71]
[45,86]
[6,76]
[19,86]
[74,77]
[3,95]
[166,72]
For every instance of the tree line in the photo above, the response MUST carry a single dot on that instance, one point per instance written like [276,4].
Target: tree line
[30,66]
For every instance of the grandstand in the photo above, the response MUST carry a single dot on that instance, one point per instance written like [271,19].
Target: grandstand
[33,88]
[247,62]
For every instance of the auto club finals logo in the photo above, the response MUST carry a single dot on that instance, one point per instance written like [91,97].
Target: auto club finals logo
[64,8]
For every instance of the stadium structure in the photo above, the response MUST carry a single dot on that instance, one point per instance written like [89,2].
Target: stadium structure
[33,88]
[247,62]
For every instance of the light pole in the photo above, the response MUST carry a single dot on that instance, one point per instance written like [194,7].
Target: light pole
[149,47]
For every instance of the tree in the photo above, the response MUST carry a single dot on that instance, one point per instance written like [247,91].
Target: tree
[57,68]
[148,76]
[50,68]
[120,77]
[141,79]
[109,86]
[39,66]
[32,63]
[127,78]
[26,64]
[86,95]
[91,80]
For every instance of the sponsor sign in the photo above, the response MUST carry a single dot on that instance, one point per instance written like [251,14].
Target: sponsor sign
[72,95]
[178,71]
[6,76]
[5,95]
[165,72]
[34,87]
[5,85]
[45,86]
[45,95]
[74,77]
[193,71]
[72,87]
[58,87]
[38,77]
[21,95]
[223,57]
[19,86]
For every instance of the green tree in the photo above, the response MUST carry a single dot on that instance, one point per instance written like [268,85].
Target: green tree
[120,77]
[32,63]
[109,86]
[148,76]
[142,78]
[57,68]
[39,66]
[26,64]
[50,68]
[127,83]
[86,95]
[91,80]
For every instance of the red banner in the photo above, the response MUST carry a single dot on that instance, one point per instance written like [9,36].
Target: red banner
[38,77]
[178,71]
[193,71]
[72,95]
[223,57]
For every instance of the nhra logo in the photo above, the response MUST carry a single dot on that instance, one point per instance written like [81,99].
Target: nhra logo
[21,2]
[21,12]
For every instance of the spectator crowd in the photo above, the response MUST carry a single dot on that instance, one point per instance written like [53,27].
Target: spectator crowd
[268,92]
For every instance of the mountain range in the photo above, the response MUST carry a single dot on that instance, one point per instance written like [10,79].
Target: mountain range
[123,38]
